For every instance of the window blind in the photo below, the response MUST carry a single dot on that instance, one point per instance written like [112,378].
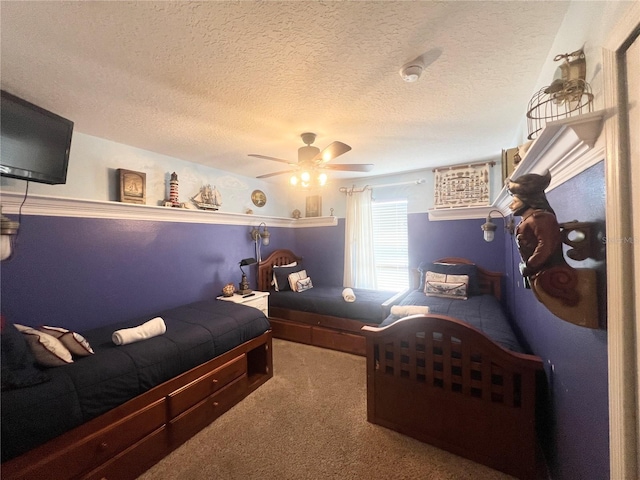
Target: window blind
[390,243]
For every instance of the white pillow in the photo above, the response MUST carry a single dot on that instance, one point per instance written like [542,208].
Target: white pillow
[294,277]
[74,342]
[48,350]
[447,286]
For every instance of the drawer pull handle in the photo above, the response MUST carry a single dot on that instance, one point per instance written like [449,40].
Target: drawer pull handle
[215,404]
[103,445]
[214,381]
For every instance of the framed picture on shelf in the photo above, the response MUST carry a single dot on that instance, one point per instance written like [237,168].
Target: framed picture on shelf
[133,186]
[510,159]
[314,206]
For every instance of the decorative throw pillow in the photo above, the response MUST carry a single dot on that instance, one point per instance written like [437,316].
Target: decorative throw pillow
[273,279]
[282,277]
[304,284]
[294,277]
[18,363]
[74,342]
[48,350]
[447,286]
[471,270]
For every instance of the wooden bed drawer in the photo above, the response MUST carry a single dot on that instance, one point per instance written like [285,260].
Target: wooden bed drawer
[192,393]
[135,460]
[342,341]
[290,331]
[104,444]
[199,416]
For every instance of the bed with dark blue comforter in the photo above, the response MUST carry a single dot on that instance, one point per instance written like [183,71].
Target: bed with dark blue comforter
[319,316]
[93,385]
[455,376]
[483,312]
[367,308]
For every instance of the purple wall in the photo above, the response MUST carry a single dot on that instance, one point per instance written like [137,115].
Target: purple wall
[454,238]
[81,273]
[575,418]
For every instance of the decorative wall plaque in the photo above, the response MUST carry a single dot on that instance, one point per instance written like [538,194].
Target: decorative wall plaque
[462,185]
[133,188]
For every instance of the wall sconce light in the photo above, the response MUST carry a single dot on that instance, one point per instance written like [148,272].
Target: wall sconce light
[8,232]
[489,228]
[259,237]
[244,283]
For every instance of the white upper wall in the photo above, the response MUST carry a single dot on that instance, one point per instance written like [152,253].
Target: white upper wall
[92,174]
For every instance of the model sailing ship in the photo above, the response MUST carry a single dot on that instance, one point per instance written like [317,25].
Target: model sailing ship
[208,198]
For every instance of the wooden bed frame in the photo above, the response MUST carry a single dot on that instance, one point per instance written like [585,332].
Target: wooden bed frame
[126,441]
[336,333]
[459,391]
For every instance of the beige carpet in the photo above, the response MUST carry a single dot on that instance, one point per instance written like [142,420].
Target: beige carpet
[309,422]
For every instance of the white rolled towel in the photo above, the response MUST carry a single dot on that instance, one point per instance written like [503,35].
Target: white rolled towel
[152,328]
[406,310]
[348,295]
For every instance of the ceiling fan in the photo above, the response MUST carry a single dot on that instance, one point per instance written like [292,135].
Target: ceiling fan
[311,160]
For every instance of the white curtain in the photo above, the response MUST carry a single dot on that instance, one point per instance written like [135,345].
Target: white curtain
[359,262]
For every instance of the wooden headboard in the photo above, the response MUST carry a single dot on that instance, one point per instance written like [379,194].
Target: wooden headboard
[490,282]
[265,267]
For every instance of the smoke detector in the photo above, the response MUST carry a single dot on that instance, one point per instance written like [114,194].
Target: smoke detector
[411,72]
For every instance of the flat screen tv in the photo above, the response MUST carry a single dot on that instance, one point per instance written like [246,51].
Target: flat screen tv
[35,143]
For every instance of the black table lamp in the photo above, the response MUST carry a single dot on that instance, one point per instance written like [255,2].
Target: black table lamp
[244,283]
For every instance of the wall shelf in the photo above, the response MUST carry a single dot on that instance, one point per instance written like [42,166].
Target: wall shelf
[73,207]
[565,147]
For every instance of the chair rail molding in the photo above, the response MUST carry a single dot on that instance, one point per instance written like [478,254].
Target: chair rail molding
[74,207]
[565,147]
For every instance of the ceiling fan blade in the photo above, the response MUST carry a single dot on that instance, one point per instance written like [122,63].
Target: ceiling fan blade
[350,167]
[332,151]
[267,175]
[272,158]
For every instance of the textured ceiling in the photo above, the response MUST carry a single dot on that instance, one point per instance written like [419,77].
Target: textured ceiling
[210,82]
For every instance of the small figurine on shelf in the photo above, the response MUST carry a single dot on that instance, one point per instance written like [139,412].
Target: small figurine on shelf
[208,198]
[173,190]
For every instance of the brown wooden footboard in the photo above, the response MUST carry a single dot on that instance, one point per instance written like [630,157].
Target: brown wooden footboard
[443,382]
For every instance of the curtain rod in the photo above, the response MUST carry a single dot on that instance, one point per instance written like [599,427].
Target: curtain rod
[371,187]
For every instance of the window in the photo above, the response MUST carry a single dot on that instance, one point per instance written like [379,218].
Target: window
[390,244]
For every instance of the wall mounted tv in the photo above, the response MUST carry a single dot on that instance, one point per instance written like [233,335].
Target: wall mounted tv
[35,143]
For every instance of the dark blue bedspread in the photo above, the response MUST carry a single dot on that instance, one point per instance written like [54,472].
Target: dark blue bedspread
[484,312]
[329,301]
[95,384]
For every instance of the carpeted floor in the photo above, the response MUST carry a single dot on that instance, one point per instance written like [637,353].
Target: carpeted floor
[309,422]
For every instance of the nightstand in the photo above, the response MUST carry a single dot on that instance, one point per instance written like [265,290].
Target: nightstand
[259,300]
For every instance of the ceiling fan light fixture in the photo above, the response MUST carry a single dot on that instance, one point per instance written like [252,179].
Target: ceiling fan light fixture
[322,179]
[305,177]
[293,180]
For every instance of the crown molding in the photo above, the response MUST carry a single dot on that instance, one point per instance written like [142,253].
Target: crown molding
[565,148]
[74,207]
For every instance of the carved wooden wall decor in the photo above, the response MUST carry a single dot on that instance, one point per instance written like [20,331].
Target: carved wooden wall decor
[462,185]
